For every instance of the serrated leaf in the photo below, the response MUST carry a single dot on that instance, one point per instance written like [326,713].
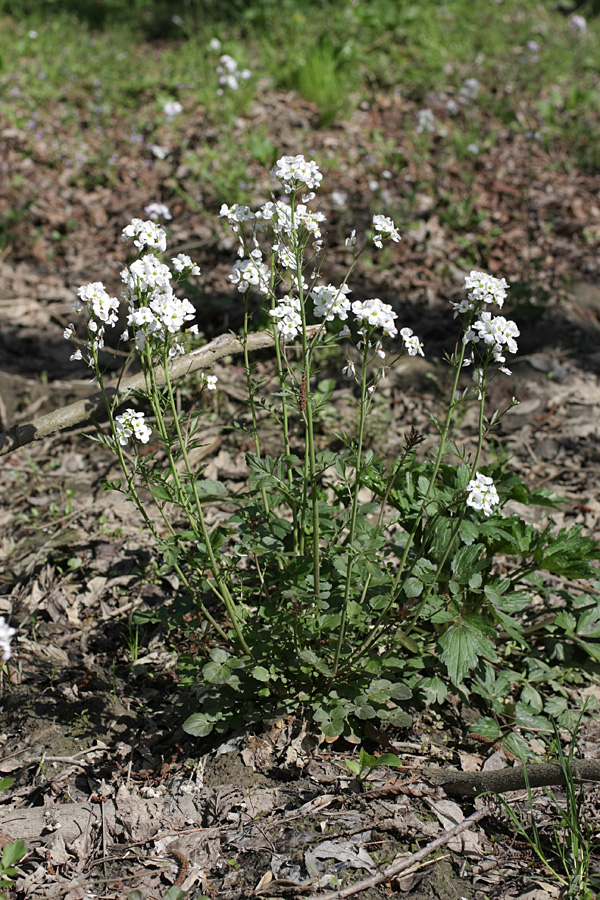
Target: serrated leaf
[463,645]
[487,728]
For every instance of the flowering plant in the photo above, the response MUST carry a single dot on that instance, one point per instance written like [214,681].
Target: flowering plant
[315,596]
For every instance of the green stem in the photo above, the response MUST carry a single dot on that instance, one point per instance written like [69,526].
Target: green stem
[355,504]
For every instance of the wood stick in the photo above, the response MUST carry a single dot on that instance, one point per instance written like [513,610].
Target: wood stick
[92,408]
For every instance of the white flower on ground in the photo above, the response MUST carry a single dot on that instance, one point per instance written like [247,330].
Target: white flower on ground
[293,171]
[425,121]
[384,228]
[172,108]
[331,302]
[156,211]
[482,494]
[376,313]
[6,632]
[578,23]
[469,91]
[411,342]
[158,151]
[145,234]
[132,424]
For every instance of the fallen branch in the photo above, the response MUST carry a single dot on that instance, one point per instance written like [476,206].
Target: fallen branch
[404,864]
[92,408]
[469,784]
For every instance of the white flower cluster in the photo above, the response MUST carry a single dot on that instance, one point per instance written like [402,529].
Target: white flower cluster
[293,171]
[289,320]
[376,313]
[156,211]
[413,346]
[229,74]
[145,234]
[251,273]
[497,333]
[482,289]
[425,121]
[154,309]
[482,494]
[6,632]
[132,424]
[102,310]
[184,265]
[384,228]
[172,108]
[331,302]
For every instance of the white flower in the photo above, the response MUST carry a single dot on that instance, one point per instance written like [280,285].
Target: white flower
[210,381]
[376,313]
[482,494]
[158,151]
[214,44]
[469,91]
[156,211]
[172,108]
[75,355]
[236,214]
[247,273]
[331,302]
[425,121]
[482,289]
[145,234]
[292,171]
[183,263]
[69,331]
[289,320]
[146,274]
[473,148]
[578,23]
[349,368]
[384,228]
[411,342]
[99,305]
[6,632]
[132,424]
[351,241]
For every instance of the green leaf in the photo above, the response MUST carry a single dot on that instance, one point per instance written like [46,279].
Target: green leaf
[389,760]
[12,853]
[6,783]
[216,673]
[261,674]
[463,645]
[160,492]
[207,488]
[487,728]
[310,657]
[413,587]
[174,893]
[198,725]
